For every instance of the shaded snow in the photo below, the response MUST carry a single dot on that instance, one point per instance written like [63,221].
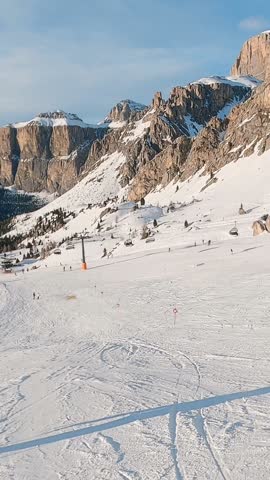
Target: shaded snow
[193,127]
[226,110]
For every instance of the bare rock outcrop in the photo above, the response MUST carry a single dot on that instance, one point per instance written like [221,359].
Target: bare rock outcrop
[194,106]
[9,155]
[254,57]
[162,169]
[258,227]
[157,101]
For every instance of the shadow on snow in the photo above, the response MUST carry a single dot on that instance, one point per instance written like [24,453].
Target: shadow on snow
[131,417]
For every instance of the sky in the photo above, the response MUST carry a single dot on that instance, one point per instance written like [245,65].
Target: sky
[83,56]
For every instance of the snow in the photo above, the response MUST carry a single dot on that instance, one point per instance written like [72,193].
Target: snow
[138,131]
[240,81]
[57,119]
[101,379]
[226,110]
[246,80]
[116,124]
[98,185]
[192,126]
[247,120]
[235,149]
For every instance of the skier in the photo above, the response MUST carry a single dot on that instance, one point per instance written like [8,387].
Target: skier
[70,268]
[34,295]
[209,243]
[64,269]
[231,251]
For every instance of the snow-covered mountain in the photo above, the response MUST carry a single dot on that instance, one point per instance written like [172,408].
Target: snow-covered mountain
[200,128]
[47,152]
[58,118]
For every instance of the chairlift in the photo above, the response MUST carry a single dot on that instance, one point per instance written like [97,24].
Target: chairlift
[128,243]
[234,232]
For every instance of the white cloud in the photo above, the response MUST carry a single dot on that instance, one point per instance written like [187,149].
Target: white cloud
[253,23]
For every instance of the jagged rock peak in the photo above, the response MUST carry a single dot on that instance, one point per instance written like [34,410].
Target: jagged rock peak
[157,101]
[124,111]
[254,57]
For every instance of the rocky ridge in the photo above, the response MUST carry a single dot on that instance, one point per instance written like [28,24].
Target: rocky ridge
[201,126]
[161,145]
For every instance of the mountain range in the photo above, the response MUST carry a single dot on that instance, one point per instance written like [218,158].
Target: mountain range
[201,127]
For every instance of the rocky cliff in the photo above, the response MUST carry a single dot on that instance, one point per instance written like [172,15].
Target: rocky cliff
[46,153]
[158,146]
[254,57]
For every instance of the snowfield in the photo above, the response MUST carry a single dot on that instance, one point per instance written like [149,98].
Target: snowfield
[154,363]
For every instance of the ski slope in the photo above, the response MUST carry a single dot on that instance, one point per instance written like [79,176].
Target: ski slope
[154,363]
[101,380]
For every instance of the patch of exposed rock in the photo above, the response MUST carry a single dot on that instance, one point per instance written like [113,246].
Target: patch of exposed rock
[254,57]
[162,169]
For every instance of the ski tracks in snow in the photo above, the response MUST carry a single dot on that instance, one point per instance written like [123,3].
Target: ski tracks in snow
[174,447]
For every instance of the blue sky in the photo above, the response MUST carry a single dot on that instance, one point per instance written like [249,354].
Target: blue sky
[83,56]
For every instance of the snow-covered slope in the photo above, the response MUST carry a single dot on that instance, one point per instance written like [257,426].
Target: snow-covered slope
[240,81]
[153,363]
[210,205]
